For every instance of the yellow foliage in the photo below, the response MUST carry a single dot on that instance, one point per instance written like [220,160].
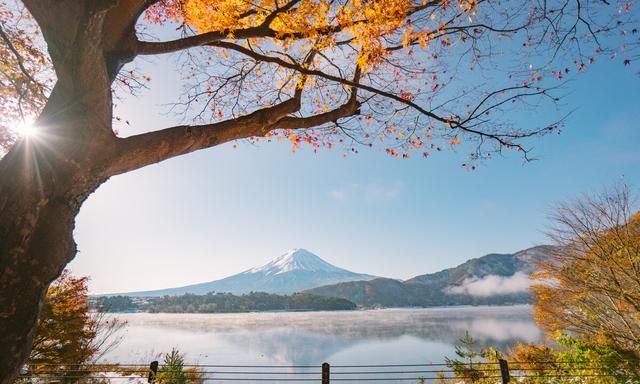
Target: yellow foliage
[591,285]
[365,23]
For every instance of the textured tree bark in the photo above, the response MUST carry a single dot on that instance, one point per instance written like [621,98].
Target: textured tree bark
[45,179]
[43,182]
[35,249]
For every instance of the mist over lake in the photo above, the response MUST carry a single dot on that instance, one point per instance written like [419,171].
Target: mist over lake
[392,336]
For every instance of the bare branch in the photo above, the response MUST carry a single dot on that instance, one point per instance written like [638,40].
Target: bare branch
[149,148]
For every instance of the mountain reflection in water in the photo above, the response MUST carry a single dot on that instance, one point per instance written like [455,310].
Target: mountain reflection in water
[391,336]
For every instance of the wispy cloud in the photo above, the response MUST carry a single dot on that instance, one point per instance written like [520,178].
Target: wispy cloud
[369,192]
[488,205]
[342,193]
[493,285]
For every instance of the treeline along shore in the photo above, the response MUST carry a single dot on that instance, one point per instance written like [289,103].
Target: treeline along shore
[221,303]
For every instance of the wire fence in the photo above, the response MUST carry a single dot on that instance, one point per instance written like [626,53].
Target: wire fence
[500,371]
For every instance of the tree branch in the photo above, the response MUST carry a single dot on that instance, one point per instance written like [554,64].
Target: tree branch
[149,148]
[351,107]
[503,140]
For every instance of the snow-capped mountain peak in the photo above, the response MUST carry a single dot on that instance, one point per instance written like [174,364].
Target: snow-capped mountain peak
[293,271]
[297,259]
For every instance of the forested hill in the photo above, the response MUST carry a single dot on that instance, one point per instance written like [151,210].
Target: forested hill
[223,303]
[494,279]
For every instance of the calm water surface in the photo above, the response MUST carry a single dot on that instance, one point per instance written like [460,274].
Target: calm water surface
[389,336]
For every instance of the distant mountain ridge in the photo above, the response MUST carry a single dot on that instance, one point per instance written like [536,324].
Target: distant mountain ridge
[500,264]
[294,271]
[491,279]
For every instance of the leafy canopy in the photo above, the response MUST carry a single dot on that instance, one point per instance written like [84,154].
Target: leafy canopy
[591,285]
[412,76]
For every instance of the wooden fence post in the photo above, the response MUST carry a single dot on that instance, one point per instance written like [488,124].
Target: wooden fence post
[153,372]
[504,371]
[325,373]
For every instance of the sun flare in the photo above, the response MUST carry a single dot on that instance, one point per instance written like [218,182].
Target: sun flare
[25,129]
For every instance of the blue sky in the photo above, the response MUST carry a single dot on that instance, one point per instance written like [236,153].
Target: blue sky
[220,211]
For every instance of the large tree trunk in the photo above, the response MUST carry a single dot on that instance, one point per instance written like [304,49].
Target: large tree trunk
[36,245]
[43,182]
[45,179]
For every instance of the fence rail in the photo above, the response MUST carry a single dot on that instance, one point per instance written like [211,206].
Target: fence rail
[500,372]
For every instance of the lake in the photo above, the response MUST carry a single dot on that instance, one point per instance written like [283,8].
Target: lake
[387,336]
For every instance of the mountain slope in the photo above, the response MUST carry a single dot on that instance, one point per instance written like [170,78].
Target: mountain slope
[294,271]
[491,264]
[491,279]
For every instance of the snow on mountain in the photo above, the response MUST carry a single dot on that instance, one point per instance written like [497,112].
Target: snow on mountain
[294,271]
[296,259]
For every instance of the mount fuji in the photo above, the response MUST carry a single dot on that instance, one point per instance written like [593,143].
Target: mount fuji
[294,271]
